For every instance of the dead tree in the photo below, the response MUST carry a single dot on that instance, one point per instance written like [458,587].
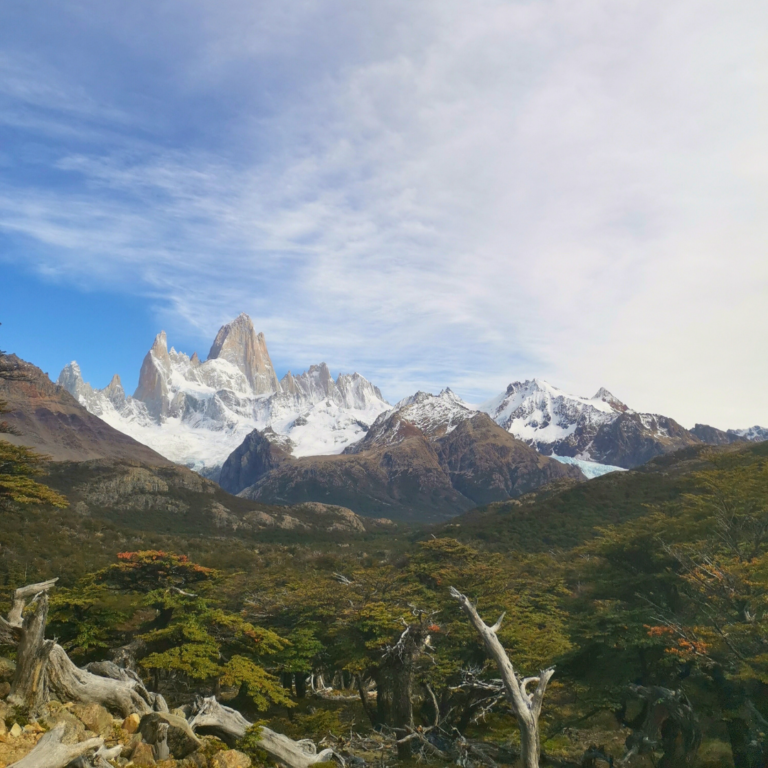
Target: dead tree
[394,679]
[44,671]
[669,725]
[228,724]
[525,706]
[51,753]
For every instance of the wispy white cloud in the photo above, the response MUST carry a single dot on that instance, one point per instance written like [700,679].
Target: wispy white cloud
[447,194]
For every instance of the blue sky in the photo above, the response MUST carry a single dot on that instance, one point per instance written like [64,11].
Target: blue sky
[434,194]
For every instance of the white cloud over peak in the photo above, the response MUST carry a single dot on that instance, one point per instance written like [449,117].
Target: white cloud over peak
[433,194]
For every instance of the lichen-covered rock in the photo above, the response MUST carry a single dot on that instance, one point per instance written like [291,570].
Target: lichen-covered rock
[231,758]
[143,755]
[95,718]
[7,668]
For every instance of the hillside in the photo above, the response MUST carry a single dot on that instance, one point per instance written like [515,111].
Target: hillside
[563,515]
[400,471]
[52,422]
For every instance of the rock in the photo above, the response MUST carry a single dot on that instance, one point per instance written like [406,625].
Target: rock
[3,727]
[5,689]
[95,718]
[7,668]
[16,731]
[131,723]
[74,728]
[143,755]
[181,740]
[231,758]
[195,760]
[179,712]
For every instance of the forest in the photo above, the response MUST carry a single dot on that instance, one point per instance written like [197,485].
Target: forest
[621,622]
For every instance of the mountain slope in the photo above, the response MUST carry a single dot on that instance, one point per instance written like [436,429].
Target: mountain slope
[564,514]
[196,413]
[52,422]
[456,459]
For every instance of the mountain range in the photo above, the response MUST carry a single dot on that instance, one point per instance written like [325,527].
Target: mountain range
[310,438]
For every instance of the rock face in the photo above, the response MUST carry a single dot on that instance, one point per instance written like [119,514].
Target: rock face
[485,463]
[173,498]
[196,413]
[50,420]
[238,343]
[258,454]
[457,458]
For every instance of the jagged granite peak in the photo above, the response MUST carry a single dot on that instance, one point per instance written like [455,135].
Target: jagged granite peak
[238,343]
[71,378]
[196,413]
[152,389]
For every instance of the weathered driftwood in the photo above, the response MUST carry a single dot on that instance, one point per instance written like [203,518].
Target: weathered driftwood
[525,706]
[229,725]
[51,753]
[113,671]
[44,670]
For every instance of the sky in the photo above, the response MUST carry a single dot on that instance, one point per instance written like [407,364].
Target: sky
[432,194]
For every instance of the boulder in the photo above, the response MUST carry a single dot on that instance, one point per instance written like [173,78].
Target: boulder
[74,729]
[231,758]
[95,718]
[131,723]
[143,755]
[181,740]
[7,668]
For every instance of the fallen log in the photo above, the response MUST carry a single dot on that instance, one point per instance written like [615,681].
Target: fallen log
[49,752]
[229,725]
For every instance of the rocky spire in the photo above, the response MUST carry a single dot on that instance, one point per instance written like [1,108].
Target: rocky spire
[153,389]
[238,343]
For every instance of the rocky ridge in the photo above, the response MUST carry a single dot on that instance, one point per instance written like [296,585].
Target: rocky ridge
[196,413]
[599,429]
[429,458]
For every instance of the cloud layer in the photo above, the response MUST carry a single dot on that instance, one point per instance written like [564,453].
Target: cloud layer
[433,194]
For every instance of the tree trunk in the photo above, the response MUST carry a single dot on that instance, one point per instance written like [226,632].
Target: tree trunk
[43,668]
[301,685]
[229,725]
[51,753]
[525,706]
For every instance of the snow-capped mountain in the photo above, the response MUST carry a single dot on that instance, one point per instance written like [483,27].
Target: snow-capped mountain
[196,413]
[521,411]
[434,415]
[753,434]
[599,429]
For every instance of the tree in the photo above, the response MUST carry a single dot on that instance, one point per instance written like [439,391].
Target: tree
[192,637]
[678,600]
[525,706]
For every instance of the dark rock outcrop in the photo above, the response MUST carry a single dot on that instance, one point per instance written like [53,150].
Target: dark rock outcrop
[396,471]
[258,454]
